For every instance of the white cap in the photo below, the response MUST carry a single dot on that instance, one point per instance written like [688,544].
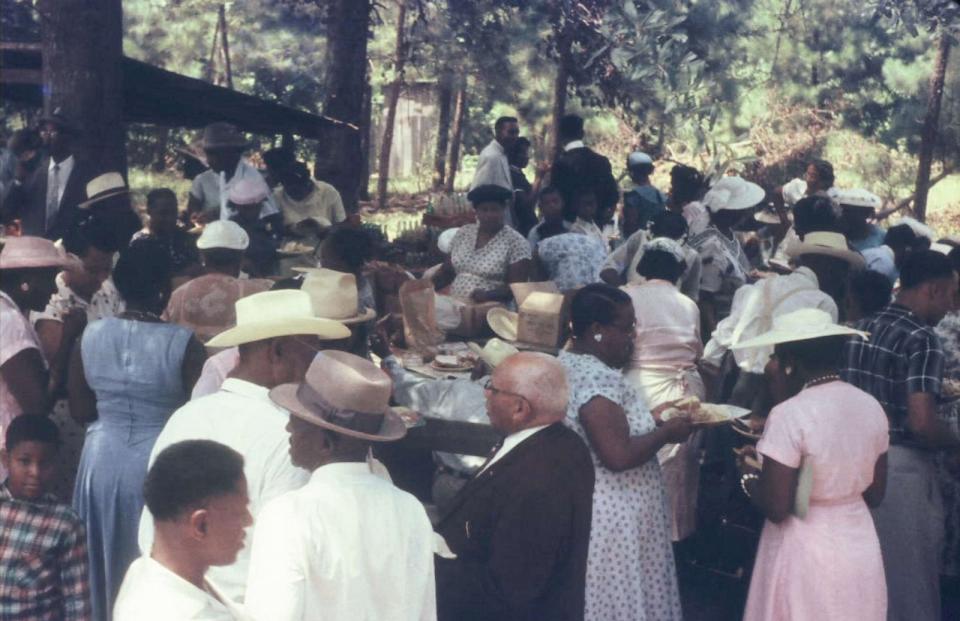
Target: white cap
[858,197]
[638,158]
[248,191]
[223,234]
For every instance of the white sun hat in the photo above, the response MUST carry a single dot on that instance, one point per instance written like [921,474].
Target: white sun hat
[800,325]
[223,234]
[494,352]
[733,194]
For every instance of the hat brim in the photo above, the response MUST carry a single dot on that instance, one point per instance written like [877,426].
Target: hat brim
[367,315]
[245,144]
[751,198]
[855,259]
[766,217]
[102,197]
[775,336]
[326,329]
[64,263]
[391,430]
[504,323]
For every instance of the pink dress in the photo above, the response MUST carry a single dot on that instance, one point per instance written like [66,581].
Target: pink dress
[826,566]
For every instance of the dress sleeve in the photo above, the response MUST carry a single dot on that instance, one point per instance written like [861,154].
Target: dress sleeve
[597,380]
[781,440]
[518,248]
[14,334]
[196,188]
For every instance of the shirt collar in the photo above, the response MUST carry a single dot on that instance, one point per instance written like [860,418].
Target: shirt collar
[67,163]
[246,389]
[341,470]
[190,596]
[574,144]
[6,494]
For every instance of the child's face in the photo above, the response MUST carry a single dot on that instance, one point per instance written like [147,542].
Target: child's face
[32,466]
[163,216]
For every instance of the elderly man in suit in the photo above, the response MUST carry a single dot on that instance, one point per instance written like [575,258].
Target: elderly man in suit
[521,527]
[579,166]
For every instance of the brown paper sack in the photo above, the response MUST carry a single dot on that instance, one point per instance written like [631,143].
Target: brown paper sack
[541,319]
[418,303]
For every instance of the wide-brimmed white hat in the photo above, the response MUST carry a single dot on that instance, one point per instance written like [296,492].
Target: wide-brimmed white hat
[223,234]
[858,197]
[27,252]
[504,323]
[339,391]
[334,295]
[445,240]
[103,187]
[733,194]
[828,244]
[800,325]
[248,191]
[494,351]
[273,314]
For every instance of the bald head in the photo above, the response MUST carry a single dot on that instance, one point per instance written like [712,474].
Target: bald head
[541,380]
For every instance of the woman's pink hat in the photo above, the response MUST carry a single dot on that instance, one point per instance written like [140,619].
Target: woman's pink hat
[21,253]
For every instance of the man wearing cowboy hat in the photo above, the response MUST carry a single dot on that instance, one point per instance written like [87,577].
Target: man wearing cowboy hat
[857,207]
[47,199]
[223,145]
[819,281]
[348,545]
[277,335]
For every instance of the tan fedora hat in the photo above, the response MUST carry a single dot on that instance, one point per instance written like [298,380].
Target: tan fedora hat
[339,392]
[828,244]
[21,253]
[504,323]
[103,187]
[273,314]
[334,295]
[494,352]
[800,325]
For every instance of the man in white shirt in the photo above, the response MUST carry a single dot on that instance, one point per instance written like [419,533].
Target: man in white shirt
[348,545]
[223,145]
[493,167]
[278,335]
[199,494]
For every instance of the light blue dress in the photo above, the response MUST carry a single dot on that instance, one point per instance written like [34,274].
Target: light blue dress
[135,370]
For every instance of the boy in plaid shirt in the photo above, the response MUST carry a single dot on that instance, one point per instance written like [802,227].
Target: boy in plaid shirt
[43,550]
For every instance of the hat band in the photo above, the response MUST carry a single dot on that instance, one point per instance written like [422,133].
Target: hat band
[348,419]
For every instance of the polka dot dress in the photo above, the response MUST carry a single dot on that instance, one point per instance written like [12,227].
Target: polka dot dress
[485,267]
[631,574]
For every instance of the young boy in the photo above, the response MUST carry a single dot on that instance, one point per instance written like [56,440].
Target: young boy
[43,547]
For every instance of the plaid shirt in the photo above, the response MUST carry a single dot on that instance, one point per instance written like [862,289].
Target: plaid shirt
[43,561]
[903,356]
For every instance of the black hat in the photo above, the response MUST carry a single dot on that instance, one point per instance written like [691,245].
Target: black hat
[489,193]
[59,118]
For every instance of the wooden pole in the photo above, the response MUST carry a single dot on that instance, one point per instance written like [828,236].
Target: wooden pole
[226,46]
[444,96]
[459,118]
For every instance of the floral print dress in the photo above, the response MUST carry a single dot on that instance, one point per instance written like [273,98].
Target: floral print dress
[631,574]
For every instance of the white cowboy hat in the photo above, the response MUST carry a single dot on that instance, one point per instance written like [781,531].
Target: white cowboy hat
[800,325]
[340,390]
[733,194]
[103,187]
[334,295]
[494,352]
[828,244]
[858,197]
[273,314]
[504,323]
[223,234]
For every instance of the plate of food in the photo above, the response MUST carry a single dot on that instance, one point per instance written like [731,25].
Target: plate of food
[296,248]
[748,428]
[704,414]
[450,363]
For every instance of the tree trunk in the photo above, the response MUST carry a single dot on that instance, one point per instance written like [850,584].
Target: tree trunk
[226,47]
[393,96]
[365,138]
[561,81]
[444,94]
[82,45]
[339,151]
[160,153]
[459,118]
[928,135]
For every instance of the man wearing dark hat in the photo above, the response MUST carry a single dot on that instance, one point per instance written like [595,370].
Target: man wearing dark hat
[47,199]
[348,545]
[223,145]
[581,166]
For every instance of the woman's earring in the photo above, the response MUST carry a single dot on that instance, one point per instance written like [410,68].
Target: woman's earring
[788,370]
[598,337]
[25,287]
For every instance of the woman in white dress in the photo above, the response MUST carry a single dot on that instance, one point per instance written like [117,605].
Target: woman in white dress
[631,574]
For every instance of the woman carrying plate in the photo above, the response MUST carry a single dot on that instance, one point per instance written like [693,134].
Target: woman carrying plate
[824,455]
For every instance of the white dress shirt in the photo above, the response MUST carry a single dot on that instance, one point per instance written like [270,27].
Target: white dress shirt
[511,442]
[151,592]
[212,189]
[215,371]
[348,546]
[57,176]
[492,167]
[241,416]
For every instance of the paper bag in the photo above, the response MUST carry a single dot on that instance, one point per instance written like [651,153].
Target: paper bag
[418,303]
[541,320]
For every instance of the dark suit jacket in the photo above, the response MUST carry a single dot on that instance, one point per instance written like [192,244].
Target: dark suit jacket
[29,200]
[521,531]
[585,167]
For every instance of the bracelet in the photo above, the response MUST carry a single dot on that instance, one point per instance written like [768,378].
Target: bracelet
[750,476]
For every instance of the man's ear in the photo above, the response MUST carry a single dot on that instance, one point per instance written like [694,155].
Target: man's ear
[199,521]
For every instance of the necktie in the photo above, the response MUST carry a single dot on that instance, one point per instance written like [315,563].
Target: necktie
[53,194]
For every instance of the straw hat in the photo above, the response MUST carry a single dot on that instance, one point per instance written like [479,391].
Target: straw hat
[858,197]
[334,295]
[494,352]
[273,314]
[829,244]
[733,194]
[222,135]
[339,390]
[800,325]
[504,323]
[103,187]
[20,253]
[223,234]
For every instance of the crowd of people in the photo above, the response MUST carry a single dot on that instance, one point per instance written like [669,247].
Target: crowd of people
[196,419]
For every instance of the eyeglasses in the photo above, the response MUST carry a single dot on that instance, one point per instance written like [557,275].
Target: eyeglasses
[496,391]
